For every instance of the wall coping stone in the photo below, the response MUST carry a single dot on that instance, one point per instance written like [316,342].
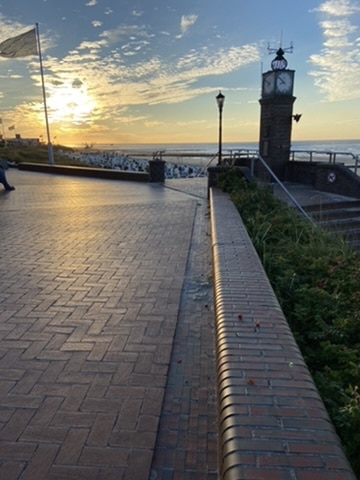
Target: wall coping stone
[272,421]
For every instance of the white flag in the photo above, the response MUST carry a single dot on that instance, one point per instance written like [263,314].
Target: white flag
[21,46]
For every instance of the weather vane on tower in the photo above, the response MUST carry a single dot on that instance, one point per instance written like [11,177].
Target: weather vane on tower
[280,62]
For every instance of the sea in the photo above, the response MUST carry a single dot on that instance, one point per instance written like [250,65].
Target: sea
[203,154]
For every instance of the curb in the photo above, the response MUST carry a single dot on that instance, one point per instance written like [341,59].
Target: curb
[86,172]
[272,421]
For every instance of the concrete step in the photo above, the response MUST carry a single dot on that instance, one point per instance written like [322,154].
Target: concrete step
[335,214]
[351,235]
[355,244]
[340,218]
[315,207]
[339,224]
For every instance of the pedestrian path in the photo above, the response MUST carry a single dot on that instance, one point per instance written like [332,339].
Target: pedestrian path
[107,361]
[187,443]
[104,291]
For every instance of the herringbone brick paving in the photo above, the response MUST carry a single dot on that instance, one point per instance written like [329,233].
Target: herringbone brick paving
[92,273]
[187,444]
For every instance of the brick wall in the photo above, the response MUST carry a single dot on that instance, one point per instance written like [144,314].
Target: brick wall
[272,422]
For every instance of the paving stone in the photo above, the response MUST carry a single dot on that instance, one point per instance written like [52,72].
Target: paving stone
[93,276]
[187,440]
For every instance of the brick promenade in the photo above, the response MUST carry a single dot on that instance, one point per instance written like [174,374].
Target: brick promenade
[105,295]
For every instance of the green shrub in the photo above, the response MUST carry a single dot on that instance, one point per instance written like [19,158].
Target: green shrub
[316,279]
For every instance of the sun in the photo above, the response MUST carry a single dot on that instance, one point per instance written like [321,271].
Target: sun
[67,104]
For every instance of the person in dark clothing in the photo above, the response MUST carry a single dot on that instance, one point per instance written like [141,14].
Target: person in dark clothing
[4,166]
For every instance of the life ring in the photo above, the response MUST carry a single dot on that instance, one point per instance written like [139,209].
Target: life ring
[331,177]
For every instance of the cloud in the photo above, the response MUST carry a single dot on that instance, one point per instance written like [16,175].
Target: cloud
[337,66]
[105,80]
[91,3]
[191,123]
[153,123]
[186,22]
[77,83]
[104,88]
[337,8]
[124,31]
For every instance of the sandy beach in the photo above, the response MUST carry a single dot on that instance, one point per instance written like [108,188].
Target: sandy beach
[119,161]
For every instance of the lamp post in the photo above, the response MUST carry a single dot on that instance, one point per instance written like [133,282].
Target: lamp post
[220,98]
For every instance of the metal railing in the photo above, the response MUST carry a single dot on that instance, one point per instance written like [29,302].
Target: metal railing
[349,159]
[284,189]
[254,155]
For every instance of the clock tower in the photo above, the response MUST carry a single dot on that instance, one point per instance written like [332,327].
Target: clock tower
[276,115]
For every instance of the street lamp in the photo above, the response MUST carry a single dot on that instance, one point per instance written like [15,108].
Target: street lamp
[220,99]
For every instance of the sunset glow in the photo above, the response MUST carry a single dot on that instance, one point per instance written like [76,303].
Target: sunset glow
[127,74]
[70,105]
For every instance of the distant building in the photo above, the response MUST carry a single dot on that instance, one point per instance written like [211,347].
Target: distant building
[18,141]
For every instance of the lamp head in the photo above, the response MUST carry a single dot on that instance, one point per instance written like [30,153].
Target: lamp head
[220,98]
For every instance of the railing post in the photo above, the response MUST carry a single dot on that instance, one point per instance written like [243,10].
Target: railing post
[252,167]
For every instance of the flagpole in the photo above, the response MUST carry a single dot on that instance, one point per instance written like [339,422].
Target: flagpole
[50,149]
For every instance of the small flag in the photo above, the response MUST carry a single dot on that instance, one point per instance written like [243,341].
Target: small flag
[21,46]
[12,127]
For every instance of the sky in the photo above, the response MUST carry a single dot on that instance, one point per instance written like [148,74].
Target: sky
[148,71]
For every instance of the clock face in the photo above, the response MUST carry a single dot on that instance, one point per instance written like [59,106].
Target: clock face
[284,82]
[268,83]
